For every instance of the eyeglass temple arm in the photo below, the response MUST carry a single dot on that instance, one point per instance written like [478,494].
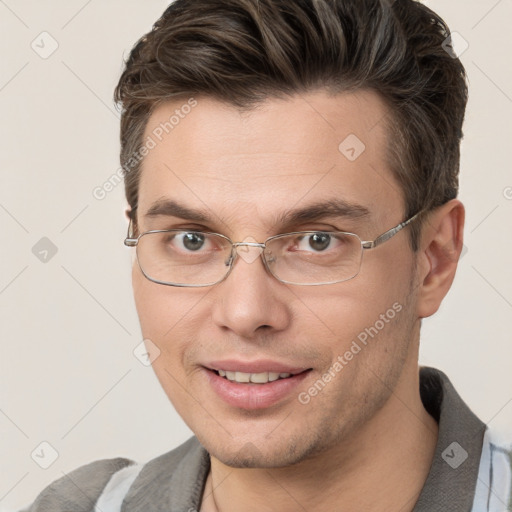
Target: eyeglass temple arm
[370,244]
[130,240]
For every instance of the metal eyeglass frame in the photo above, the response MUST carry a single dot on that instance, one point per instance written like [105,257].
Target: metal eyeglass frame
[131,241]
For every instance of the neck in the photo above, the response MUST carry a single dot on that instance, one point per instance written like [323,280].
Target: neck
[383,466]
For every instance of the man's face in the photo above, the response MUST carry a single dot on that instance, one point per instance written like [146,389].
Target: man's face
[245,171]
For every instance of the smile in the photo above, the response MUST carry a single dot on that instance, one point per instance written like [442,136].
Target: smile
[255,378]
[255,388]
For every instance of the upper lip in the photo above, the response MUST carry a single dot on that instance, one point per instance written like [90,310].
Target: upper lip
[258,366]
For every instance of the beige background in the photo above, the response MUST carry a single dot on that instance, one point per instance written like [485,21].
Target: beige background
[68,326]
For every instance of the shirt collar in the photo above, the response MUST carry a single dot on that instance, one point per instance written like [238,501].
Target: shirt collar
[452,479]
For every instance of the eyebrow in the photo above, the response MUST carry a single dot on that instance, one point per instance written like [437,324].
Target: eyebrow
[331,208]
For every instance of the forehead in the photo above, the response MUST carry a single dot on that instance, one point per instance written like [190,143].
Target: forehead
[246,167]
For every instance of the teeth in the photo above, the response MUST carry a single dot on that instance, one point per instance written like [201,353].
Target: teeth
[242,377]
[256,378]
[259,378]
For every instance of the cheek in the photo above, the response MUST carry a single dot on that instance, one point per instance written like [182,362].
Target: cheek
[168,316]
[159,307]
[146,301]
[368,327]
[368,344]
[159,312]
[344,310]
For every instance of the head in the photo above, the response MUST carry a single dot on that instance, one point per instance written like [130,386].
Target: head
[241,110]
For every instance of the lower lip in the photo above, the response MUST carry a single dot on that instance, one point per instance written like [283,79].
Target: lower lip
[253,396]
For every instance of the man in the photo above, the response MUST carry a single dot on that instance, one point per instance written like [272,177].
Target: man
[292,175]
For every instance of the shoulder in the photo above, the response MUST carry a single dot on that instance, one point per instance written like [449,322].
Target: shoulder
[105,485]
[172,481]
[80,489]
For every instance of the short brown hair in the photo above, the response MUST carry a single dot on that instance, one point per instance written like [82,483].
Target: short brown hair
[245,51]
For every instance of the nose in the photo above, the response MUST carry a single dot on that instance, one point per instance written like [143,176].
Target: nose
[250,300]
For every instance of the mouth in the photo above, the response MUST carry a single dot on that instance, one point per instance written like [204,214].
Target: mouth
[253,378]
[257,389]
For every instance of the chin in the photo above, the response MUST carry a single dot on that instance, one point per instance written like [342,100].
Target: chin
[263,452]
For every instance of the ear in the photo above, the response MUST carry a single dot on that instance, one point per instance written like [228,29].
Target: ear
[441,243]
[131,215]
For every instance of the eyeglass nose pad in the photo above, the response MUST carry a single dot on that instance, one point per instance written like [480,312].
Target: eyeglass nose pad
[232,256]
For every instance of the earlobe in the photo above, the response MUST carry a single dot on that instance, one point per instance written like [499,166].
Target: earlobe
[441,245]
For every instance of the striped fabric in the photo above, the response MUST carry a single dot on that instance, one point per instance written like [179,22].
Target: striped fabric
[111,499]
[494,484]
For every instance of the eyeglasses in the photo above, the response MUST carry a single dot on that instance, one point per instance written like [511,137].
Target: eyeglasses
[190,258]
